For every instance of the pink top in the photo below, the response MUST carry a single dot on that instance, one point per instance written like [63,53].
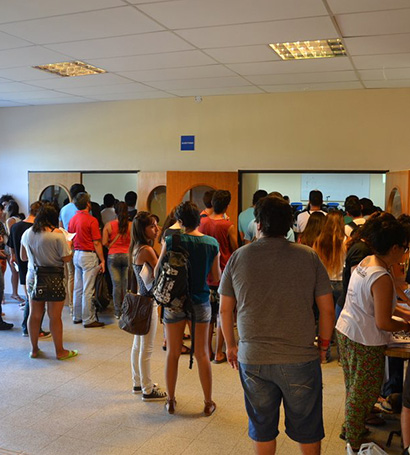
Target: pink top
[122,244]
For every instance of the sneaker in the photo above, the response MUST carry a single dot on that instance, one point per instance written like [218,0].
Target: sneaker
[24,334]
[94,324]
[138,389]
[155,395]
[43,334]
[117,316]
[6,325]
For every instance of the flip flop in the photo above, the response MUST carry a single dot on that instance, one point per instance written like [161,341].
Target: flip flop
[35,356]
[224,359]
[70,354]
[185,350]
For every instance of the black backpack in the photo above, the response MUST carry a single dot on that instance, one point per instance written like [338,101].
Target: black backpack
[173,285]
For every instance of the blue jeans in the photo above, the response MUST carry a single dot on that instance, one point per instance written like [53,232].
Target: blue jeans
[118,268]
[86,270]
[299,385]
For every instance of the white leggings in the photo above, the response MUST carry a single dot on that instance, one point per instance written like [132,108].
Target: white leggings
[141,352]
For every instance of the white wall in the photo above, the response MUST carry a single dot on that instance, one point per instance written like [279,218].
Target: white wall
[358,129]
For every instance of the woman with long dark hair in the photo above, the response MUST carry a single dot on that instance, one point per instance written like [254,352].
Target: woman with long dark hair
[203,253]
[366,320]
[46,249]
[312,229]
[144,231]
[116,237]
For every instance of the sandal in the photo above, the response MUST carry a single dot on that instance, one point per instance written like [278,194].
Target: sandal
[17,297]
[170,405]
[209,408]
[185,350]
[70,355]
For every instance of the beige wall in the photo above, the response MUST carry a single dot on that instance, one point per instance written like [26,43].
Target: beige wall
[362,129]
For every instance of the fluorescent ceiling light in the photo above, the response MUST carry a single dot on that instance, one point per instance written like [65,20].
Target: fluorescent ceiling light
[70,69]
[323,48]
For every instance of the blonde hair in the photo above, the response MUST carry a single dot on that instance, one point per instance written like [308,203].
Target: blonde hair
[330,244]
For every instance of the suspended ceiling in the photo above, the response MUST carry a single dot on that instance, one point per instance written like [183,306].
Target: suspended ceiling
[184,48]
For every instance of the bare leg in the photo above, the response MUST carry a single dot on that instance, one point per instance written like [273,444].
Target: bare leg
[15,283]
[219,355]
[34,322]
[310,449]
[265,448]
[405,426]
[210,335]
[202,357]
[174,334]
[54,310]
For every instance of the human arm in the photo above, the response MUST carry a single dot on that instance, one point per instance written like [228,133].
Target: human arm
[382,292]
[226,316]
[161,256]
[233,242]
[100,254]
[23,253]
[216,269]
[147,255]
[326,322]
[106,234]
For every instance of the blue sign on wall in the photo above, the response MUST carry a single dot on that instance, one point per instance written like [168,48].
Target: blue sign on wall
[187,143]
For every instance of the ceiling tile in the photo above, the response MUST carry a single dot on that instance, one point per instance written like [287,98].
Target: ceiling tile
[329,76]
[189,14]
[374,23]
[4,103]
[387,84]
[68,100]
[217,91]
[11,42]
[29,56]
[25,73]
[387,74]
[133,96]
[107,89]
[61,83]
[261,33]
[357,6]
[313,87]
[11,87]
[212,82]
[372,45]
[243,54]
[154,61]
[39,94]
[292,66]
[96,24]
[382,61]
[20,10]
[147,43]
[179,73]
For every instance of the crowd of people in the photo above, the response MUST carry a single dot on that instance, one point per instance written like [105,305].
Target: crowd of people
[295,284]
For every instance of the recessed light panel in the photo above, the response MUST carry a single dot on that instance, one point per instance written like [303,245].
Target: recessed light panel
[70,69]
[323,48]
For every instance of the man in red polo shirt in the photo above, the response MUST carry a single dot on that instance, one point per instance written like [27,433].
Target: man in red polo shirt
[87,251]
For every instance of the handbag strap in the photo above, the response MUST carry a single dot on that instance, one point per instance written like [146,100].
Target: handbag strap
[115,239]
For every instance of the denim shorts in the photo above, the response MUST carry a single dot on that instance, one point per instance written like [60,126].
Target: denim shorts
[299,385]
[202,314]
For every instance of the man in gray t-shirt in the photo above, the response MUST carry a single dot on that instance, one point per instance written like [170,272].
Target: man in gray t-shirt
[273,283]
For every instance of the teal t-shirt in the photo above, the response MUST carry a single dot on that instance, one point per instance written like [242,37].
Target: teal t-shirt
[202,251]
[244,219]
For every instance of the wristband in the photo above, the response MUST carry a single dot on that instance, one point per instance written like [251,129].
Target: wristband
[323,343]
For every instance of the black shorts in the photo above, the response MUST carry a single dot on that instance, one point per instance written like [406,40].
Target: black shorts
[214,299]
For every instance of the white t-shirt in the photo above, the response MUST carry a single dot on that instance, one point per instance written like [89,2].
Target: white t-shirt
[357,320]
[303,219]
[349,229]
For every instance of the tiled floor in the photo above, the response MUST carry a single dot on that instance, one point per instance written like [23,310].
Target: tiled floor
[85,405]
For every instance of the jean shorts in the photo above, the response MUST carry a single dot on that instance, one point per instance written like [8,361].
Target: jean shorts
[202,314]
[299,385]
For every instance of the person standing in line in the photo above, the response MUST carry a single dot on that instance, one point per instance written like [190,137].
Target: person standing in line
[207,200]
[144,231]
[130,199]
[87,251]
[14,243]
[273,284]
[66,213]
[108,213]
[247,215]
[45,246]
[116,237]
[203,252]
[315,205]
[3,324]
[217,226]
